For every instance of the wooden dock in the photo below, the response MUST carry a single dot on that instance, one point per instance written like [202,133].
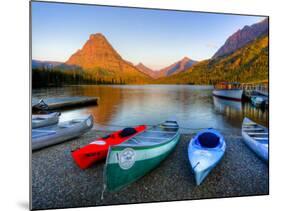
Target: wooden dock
[62,102]
[256,88]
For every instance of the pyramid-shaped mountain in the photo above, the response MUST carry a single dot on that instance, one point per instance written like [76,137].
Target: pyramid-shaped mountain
[100,60]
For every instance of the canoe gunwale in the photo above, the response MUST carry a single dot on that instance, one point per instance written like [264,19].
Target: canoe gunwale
[117,147]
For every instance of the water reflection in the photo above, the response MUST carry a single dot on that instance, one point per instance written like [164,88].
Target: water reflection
[235,111]
[193,106]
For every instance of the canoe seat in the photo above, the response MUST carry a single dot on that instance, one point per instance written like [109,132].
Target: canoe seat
[209,140]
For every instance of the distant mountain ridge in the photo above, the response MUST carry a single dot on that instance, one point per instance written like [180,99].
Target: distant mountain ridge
[141,67]
[244,56]
[247,64]
[44,64]
[182,65]
[242,37]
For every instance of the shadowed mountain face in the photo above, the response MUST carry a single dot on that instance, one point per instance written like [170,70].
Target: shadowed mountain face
[180,66]
[99,59]
[242,37]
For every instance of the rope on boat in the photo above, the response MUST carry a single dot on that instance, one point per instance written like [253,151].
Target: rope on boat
[41,105]
[102,193]
[195,166]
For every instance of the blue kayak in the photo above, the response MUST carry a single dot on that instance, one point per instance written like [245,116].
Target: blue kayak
[205,151]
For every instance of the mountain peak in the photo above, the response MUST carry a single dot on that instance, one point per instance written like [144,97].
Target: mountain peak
[96,52]
[97,36]
[185,58]
[243,36]
[99,59]
[180,66]
[146,70]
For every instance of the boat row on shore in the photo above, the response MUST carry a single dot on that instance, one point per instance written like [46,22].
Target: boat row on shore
[133,152]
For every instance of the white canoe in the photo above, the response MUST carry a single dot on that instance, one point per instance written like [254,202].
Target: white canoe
[256,138]
[42,120]
[47,136]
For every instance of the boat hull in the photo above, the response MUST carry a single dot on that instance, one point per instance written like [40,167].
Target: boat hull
[47,136]
[146,159]
[260,148]
[203,159]
[259,101]
[43,120]
[233,94]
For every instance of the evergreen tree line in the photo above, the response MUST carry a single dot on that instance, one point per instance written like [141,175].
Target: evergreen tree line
[52,77]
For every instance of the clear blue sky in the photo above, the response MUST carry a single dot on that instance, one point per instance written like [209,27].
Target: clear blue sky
[156,38]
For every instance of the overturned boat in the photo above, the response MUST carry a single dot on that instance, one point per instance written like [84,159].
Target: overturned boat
[42,120]
[55,134]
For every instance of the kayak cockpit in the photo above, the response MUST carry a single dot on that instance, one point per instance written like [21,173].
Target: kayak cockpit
[208,140]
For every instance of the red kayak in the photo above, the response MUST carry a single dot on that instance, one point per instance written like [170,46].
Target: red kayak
[97,150]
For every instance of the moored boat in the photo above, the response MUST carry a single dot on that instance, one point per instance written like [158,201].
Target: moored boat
[42,120]
[205,151]
[50,135]
[97,150]
[255,136]
[132,159]
[230,91]
[259,100]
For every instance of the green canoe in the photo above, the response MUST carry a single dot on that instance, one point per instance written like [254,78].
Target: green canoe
[129,161]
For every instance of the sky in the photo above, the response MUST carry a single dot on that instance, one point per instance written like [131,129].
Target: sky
[157,38]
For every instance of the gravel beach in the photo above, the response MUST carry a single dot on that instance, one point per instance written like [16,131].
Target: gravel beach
[57,182]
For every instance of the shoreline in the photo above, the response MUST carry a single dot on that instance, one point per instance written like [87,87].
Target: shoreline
[57,182]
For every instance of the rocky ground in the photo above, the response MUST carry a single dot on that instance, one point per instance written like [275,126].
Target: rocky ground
[57,182]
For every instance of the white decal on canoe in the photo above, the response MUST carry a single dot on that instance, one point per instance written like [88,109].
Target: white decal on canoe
[88,122]
[127,158]
[98,142]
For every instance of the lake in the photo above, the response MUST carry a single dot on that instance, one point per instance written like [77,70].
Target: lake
[128,105]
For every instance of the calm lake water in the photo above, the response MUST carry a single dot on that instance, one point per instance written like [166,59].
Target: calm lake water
[128,105]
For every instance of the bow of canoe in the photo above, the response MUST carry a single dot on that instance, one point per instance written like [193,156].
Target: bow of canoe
[97,150]
[255,136]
